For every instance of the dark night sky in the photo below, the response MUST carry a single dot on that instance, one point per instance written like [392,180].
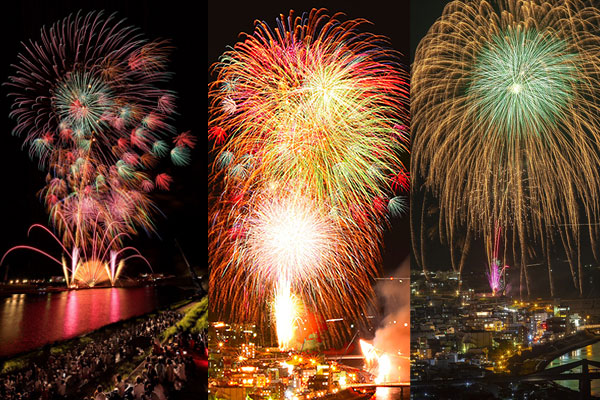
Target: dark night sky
[22,180]
[422,16]
[226,22]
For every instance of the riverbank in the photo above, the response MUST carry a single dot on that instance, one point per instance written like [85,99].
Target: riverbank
[28,322]
[13,363]
[95,358]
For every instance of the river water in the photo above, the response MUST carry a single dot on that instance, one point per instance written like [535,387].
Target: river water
[28,321]
[591,352]
[391,394]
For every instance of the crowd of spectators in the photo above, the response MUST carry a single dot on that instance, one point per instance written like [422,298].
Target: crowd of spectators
[166,374]
[161,375]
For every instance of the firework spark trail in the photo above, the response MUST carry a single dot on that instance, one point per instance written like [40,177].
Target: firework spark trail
[329,118]
[505,121]
[88,102]
[287,237]
[308,122]
[495,267]
[286,310]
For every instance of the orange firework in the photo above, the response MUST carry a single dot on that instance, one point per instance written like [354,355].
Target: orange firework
[309,124]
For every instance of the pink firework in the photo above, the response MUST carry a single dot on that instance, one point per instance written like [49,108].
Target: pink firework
[89,103]
[496,270]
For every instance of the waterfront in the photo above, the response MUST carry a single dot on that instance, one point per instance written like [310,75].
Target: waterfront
[28,321]
[591,352]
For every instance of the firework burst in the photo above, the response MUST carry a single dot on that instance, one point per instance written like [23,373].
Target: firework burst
[316,102]
[284,238]
[505,121]
[88,102]
[495,274]
[308,124]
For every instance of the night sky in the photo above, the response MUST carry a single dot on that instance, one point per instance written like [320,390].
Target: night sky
[225,22]
[21,207]
[422,15]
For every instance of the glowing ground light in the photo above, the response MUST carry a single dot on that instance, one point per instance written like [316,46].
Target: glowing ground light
[384,368]
[376,362]
[91,273]
[368,351]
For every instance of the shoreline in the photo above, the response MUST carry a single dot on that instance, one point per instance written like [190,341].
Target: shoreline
[7,290]
[105,378]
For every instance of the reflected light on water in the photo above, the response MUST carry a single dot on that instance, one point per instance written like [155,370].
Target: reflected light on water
[71,318]
[115,309]
[30,321]
[10,327]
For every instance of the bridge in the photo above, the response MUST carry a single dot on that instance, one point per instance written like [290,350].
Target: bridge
[401,385]
[594,327]
[590,370]
[346,357]
[540,356]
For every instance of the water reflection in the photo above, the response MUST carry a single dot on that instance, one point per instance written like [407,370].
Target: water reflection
[70,320]
[30,321]
[115,309]
[591,352]
[10,324]
[386,393]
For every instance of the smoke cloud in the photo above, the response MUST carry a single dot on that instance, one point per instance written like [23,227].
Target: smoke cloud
[393,335]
